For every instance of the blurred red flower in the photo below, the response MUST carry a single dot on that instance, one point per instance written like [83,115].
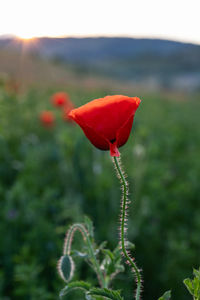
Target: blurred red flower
[60,99]
[107,122]
[47,118]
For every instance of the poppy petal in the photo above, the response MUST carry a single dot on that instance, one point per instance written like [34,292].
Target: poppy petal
[124,132]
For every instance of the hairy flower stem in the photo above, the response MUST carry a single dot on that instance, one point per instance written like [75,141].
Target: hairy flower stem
[86,238]
[123,228]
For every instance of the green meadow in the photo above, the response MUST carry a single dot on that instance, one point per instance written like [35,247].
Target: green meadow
[53,177]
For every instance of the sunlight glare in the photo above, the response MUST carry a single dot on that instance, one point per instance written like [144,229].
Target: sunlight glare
[25,37]
[36,18]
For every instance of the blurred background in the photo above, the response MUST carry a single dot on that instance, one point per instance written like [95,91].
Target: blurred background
[51,176]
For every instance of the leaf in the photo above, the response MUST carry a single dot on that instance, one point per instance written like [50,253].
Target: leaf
[120,268]
[117,251]
[166,296]
[102,245]
[196,273]
[111,264]
[89,226]
[100,248]
[79,254]
[110,294]
[88,297]
[66,267]
[193,286]
[109,253]
[85,286]
[130,246]
[189,285]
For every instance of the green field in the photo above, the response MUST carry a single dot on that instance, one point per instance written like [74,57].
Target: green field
[50,178]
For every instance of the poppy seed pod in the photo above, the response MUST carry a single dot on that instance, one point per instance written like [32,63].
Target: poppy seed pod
[107,122]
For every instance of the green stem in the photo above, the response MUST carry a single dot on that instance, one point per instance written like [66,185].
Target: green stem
[86,238]
[123,228]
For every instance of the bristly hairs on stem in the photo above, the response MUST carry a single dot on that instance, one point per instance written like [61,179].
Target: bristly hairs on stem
[124,226]
[66,264]
[86,238]
[70,234]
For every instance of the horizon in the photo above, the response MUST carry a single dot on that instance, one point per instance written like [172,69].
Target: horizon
[12,36]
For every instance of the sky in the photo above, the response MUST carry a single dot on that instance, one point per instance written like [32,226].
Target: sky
[167,19]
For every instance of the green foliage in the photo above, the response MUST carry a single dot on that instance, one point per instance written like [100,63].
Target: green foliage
[52,178]
[108,294]
[193,286]
[166,296]
[111,263]
[89,226]
[105,270]
[94,292]
[82,285]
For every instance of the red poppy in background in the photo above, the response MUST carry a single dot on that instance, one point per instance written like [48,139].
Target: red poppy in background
[107,122]
[47,118]
[60,99]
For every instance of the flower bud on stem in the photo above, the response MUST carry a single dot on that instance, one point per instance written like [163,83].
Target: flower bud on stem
[86,238]
[123,227]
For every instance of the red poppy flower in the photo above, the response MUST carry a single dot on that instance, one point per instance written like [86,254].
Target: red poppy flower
[107,122]
[60,99]
[47,118]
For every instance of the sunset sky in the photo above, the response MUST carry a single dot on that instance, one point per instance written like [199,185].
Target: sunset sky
[171,19]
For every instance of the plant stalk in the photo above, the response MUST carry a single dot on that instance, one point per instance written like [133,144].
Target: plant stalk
[86,238]
[123,228]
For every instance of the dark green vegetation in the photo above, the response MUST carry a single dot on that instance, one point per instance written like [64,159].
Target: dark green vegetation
[51,178]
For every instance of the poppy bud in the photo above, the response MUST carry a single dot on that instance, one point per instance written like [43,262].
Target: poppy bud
[66,267]
[47,118]
[107,122]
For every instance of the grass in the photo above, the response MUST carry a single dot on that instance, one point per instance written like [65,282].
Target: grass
[50,178]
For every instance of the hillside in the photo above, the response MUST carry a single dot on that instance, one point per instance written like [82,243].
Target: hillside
[153,63]
[93,49]
[29,70]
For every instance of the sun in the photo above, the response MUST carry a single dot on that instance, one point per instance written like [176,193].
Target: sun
[25,36]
